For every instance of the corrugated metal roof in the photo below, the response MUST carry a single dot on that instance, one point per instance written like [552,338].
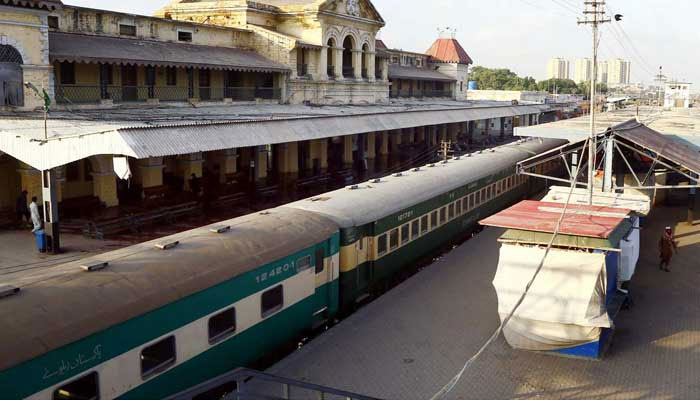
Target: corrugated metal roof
[94,49]
[449,51]
[373,201]
[143,141]
[417,74]
[580,220]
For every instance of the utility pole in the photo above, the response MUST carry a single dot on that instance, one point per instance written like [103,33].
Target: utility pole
[595,15]
[660,80]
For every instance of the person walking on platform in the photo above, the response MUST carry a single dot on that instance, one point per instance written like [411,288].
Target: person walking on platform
[667,246]
[22,209]
[36,217]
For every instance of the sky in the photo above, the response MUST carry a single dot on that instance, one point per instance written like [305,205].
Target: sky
[523,35]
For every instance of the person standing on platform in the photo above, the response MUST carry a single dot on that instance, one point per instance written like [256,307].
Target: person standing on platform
[667,246]
[36,217]
[22,209]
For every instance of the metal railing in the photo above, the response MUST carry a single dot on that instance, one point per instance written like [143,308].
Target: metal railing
[247,384]
[420,93]
[85,94]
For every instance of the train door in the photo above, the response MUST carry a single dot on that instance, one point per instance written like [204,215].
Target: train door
[364,275]
[323,298]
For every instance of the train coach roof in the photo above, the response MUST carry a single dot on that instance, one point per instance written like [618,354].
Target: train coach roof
[371,202]
[66,303]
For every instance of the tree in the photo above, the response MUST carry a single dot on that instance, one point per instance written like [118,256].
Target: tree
[501,79]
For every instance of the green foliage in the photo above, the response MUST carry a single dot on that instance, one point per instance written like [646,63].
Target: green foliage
[505,79]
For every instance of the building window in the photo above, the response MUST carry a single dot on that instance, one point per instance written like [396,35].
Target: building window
[171,76]
[184,36]
[272,301]
[394,239]
[86,388]
[53,22]
[67,73]
[319,260]
[404,234]
[158,357]
[222,325]
[127,30]
[433,219]
[415,231]
[424,224]
[443,215]
[381,245]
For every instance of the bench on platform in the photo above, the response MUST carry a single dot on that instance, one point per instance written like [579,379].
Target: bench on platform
[135,222]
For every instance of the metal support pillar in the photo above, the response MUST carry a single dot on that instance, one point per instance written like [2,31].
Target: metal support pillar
[49,190]
[608,168]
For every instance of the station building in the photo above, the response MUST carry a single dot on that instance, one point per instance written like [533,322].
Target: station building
[249,96]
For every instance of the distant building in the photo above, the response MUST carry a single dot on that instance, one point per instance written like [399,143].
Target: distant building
[558,68]
[583,70]
[677,95]
[602,72]
[618,72]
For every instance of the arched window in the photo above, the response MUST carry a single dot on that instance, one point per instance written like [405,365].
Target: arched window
[11,82]
[348,46]
[365,61]
[331,57]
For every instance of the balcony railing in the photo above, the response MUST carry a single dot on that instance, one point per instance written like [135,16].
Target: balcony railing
[420,93]
[85,94]
[348,72]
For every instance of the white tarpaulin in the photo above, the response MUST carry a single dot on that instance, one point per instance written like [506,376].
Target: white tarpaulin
[565,305]
[630,254]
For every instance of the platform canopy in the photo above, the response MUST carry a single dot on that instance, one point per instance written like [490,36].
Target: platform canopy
[630,142]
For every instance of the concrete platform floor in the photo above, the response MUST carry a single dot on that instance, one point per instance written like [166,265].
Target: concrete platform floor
[408,343]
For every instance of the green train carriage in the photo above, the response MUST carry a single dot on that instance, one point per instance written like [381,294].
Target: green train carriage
[155,322]
[388,224]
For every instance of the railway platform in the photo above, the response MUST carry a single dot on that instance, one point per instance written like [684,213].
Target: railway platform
[409,342]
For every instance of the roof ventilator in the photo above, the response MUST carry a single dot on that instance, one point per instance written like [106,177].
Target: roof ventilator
[94,266]
[481,152]
[431,165]
[416,169]
[377,180]
[458,158]
[7,291]
[168,245]
[353,187]
[493,150]
[265,213]
[220,229]
[469,154]
[398,174]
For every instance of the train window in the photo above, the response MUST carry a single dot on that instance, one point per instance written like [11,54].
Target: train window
[443,215]
[424,224]
[319,260]
[465,204]
[459,206]
[222,325]
[414,230]
[405,234]
[157,357]
[488,193]
[82,388]
[451,210]
[303,263]
[471,200]
[381,244]
[272,301]
[433,220]
[499,187]
[394,239]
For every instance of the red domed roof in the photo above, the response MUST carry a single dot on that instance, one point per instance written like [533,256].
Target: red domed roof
[449,51]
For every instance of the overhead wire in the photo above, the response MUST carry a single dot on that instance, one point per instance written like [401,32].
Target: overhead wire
[447,388]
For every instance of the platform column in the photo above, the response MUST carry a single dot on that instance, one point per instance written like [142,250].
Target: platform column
[288,160]
[104,186]
[453,130]
[149,172]
[319,155]
[227,163]
[189,164]
[347,151]
[260,166]
[30,179]
[50,203]
[371,139]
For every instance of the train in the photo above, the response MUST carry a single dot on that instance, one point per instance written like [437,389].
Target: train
[153,319]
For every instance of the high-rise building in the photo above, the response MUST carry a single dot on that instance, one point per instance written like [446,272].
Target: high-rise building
[602,72]
[558,68]
[618,72]
[583,70]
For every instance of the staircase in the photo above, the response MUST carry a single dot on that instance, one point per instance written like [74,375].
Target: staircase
[248,384]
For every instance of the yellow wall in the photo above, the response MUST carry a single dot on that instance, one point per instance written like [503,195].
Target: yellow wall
[9,182]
